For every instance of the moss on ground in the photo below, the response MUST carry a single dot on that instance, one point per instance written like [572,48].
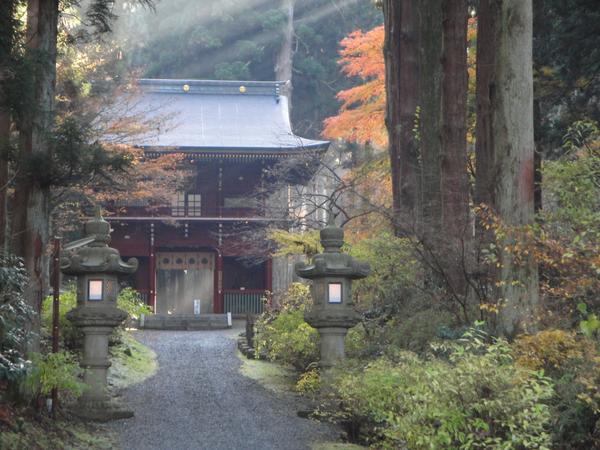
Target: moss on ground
[271,376]
[336,446]
[28,433]
[132,363]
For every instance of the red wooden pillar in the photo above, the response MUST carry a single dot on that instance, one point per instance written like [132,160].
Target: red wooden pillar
[152,271]
[218,306]
[152,279]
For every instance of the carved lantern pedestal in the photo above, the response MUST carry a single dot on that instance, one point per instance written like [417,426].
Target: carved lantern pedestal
[96,267]
[332,312]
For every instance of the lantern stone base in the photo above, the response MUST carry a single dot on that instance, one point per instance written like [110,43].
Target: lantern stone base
[96,324]
[100,410]
[332,325]
[332,345]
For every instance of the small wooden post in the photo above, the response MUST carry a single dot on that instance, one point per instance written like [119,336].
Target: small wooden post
[219,266]
[152,279]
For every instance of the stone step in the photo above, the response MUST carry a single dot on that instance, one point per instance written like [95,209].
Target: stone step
[185,322]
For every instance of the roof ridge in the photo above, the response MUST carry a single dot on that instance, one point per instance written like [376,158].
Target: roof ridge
[195,86]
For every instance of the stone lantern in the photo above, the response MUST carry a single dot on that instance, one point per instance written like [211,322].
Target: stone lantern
[332,312]
[96,266]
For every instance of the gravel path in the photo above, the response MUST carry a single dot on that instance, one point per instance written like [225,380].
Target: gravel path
[199,400]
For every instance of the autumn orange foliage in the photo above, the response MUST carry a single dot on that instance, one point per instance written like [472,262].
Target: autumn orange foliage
[362,114]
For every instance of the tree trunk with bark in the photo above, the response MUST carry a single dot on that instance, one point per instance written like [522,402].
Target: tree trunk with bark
[7,41]
[285,57]
[505,145]
[430,120]
[541,29]
[455,183]
[31,205]
[401,52]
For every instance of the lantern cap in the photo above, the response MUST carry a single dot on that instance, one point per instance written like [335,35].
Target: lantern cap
[332,237]
[99,229]
[94,255]
[332,262]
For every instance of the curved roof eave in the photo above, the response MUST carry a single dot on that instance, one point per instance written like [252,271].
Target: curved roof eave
[219,116]
[315,146]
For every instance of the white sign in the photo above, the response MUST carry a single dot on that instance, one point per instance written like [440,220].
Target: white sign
[95,290]
[335,292]
[197,304]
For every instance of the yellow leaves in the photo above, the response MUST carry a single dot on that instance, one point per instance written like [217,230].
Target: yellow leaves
[546,71]
[562,352]
[548,349]
[290,243]
[490,308]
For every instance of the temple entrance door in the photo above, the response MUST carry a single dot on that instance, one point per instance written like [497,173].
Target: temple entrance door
[183,279]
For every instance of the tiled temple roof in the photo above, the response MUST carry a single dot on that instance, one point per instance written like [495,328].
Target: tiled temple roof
[237,117]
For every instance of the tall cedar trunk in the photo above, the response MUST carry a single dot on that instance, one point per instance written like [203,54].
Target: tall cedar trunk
[485,178]
[540,31]
[7,36]
[285,57]
[402,87]
[430,120]
[31,210]
[537,157]
[454,182]
[505,145]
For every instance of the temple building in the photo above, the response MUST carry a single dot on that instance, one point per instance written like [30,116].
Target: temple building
[230,132]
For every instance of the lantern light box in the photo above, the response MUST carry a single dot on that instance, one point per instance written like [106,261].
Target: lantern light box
[335,292]
[95,289]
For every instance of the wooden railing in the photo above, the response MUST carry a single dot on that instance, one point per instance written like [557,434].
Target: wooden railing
[206,212]
[237,301]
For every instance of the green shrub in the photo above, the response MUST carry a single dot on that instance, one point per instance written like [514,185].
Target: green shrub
[14,316]
[283,335]
[576,406]
[296,298]
[569,223]
[53,371]
[394,273]
[574,365]
[473,396]
[71,336]
[288,339]
[415,332]
[397,312]
[129,300]
[309,382]
[356,342]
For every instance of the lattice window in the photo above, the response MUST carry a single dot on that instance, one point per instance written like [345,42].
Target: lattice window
[194,204]
[178,204]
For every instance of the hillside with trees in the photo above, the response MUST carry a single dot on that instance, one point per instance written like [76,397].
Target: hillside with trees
[249,40]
